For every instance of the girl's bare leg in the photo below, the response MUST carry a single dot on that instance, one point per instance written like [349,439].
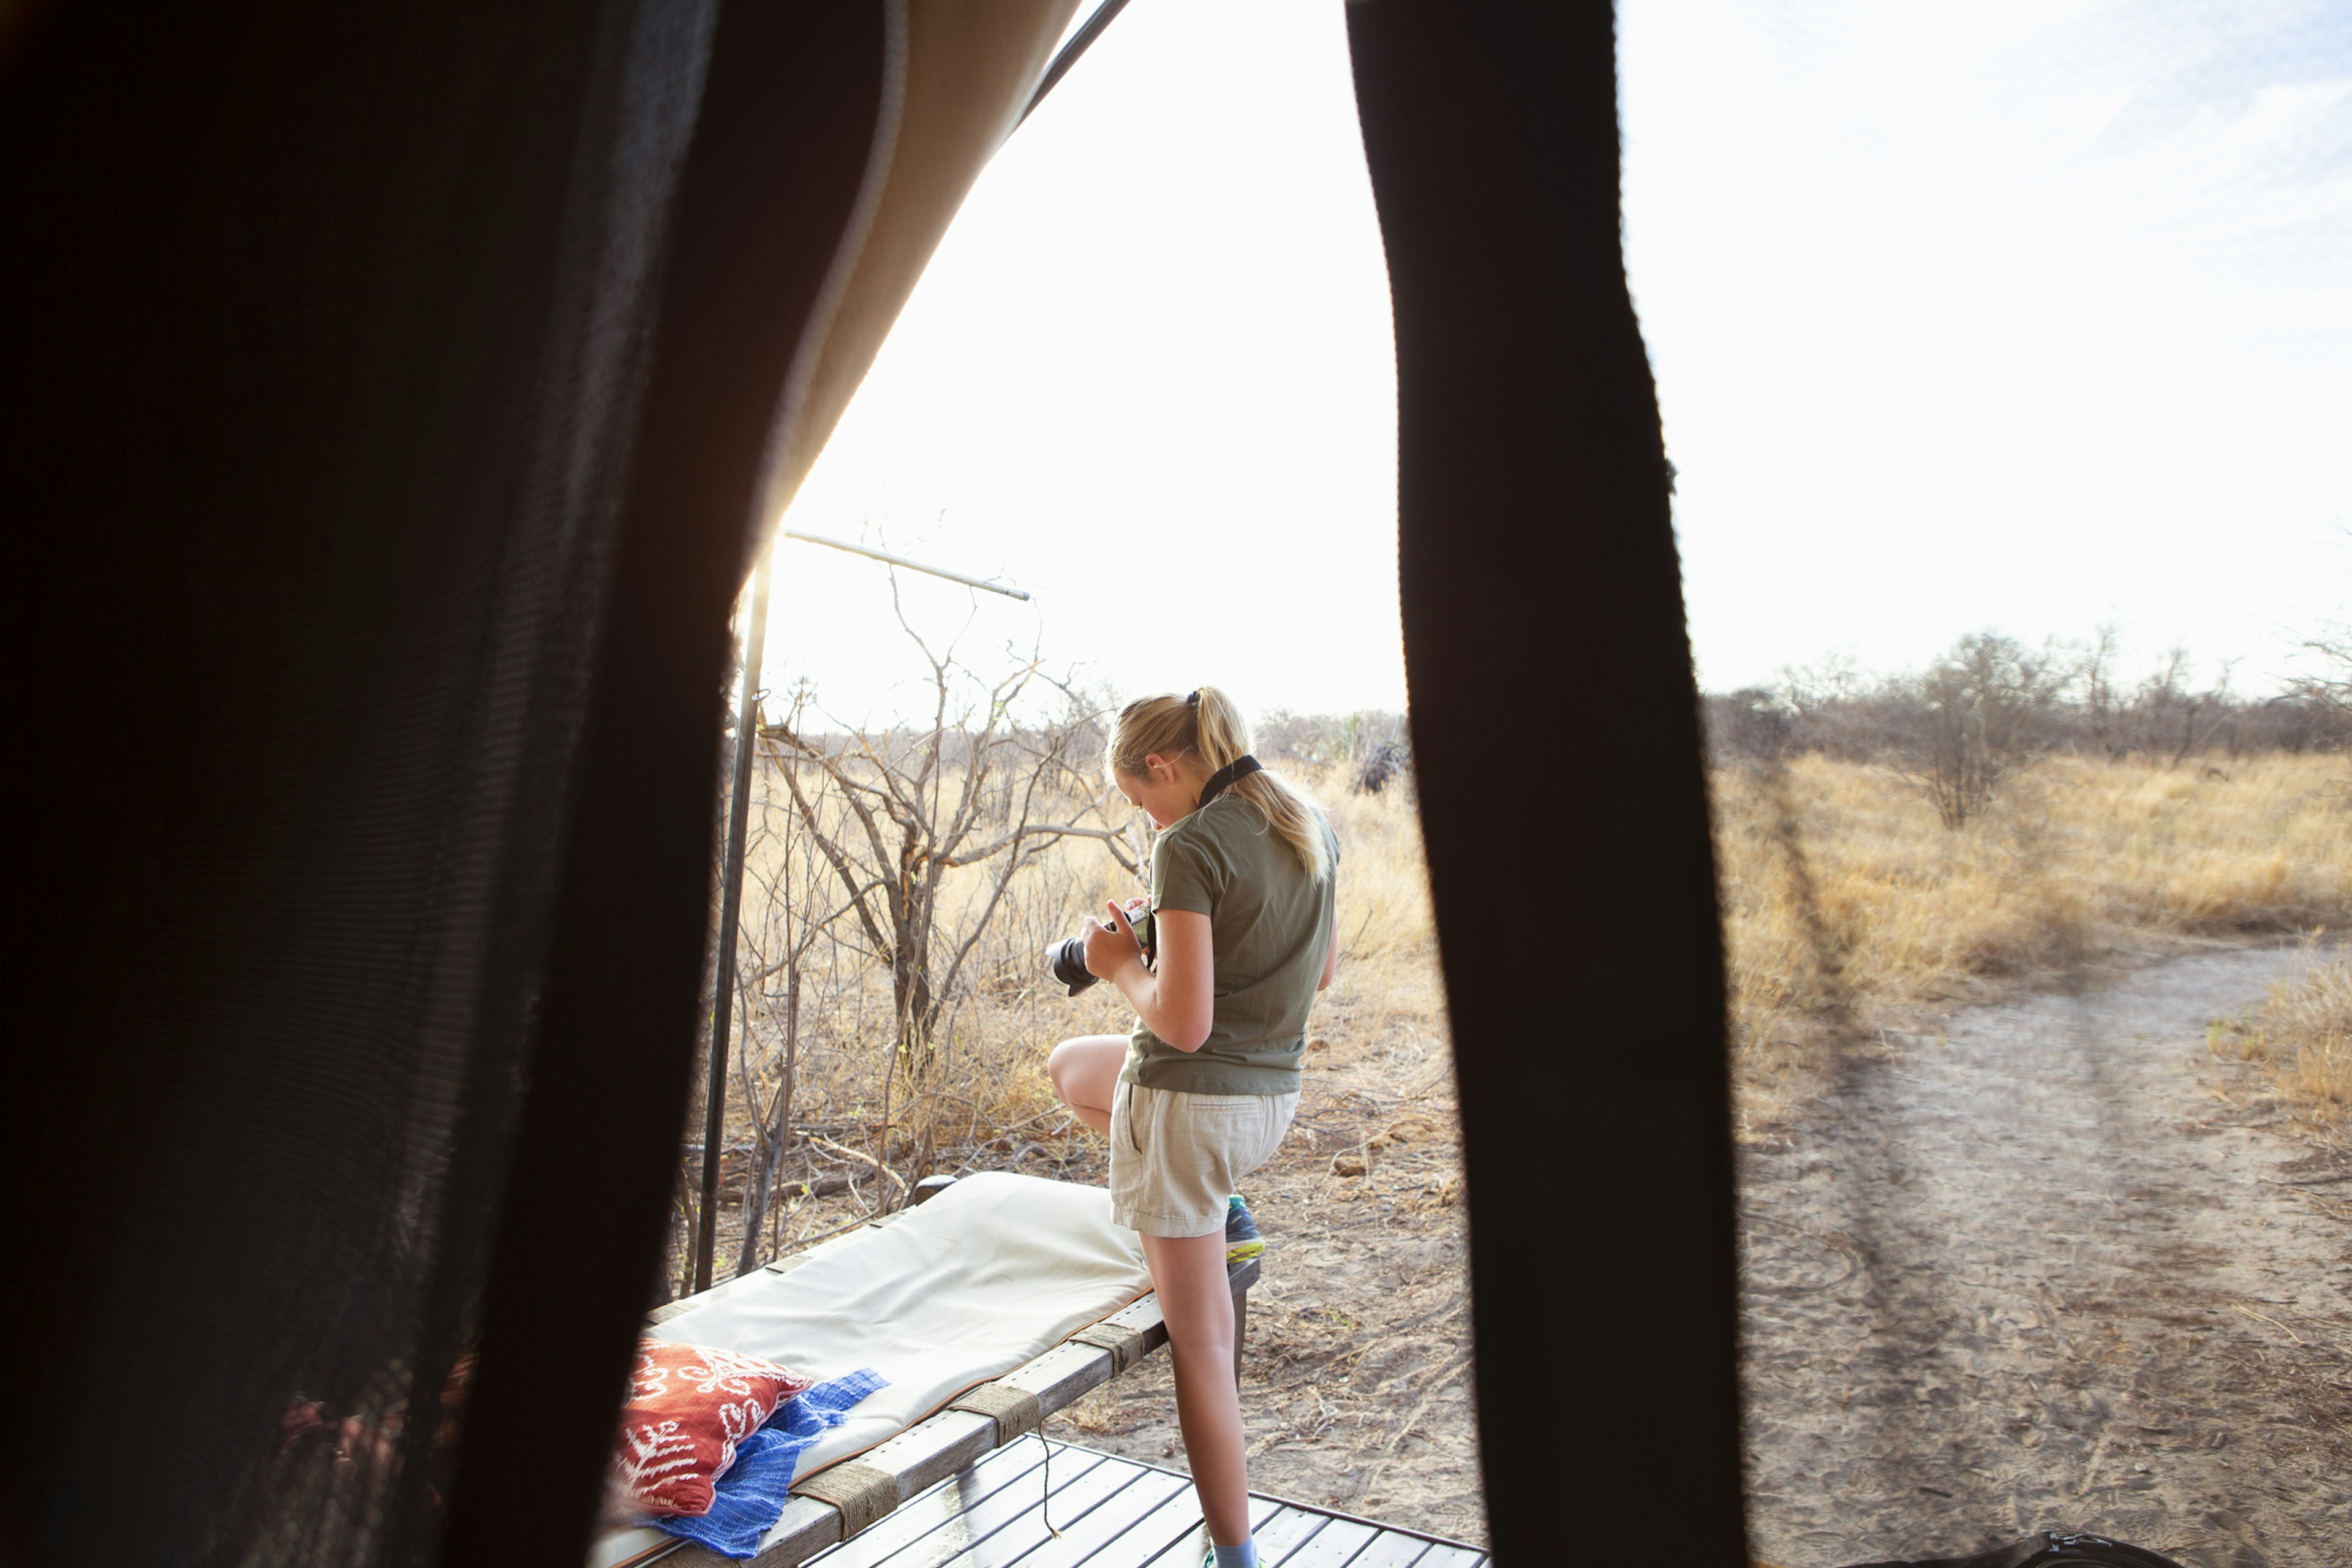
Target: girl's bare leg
[1189,1272]
[1195,1300]
[1086,1075]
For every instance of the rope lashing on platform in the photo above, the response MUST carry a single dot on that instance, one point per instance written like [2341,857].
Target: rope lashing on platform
[1017,1414]
[861,1492]
[1014,1410]
[1125,1345]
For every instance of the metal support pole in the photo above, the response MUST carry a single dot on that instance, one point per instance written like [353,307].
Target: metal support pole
[731,906]
[1080,42]
[885,556]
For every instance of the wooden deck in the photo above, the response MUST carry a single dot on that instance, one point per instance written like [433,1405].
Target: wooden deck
[960,1493]
[1111,1513]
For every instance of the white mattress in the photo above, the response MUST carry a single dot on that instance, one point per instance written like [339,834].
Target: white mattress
[995,1270]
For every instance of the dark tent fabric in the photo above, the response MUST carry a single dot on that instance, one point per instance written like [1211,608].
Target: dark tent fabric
[388,390]
[1552,688]
[392,393]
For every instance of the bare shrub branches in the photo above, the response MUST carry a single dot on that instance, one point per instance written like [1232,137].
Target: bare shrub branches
[1977,715]
[2328,689]
[970,789]
[895,814]
[900,882]
[1372,749]
[1971,720]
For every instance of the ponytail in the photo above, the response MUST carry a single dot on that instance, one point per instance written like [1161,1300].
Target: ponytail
[1207,725]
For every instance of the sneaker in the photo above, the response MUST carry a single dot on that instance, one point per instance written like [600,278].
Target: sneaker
[1241,1239]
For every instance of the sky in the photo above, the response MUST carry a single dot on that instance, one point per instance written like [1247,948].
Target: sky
[1149,377]
[2023,316]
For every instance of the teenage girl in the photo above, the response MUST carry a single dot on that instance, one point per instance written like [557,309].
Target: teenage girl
[1201,1094]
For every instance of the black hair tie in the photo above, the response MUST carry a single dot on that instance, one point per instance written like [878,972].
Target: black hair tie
[1230,774]
[1194,700]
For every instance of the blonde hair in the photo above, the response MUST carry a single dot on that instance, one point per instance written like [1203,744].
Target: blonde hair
[1208,726]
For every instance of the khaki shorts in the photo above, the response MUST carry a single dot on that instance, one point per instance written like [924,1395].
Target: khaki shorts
[1175,1156]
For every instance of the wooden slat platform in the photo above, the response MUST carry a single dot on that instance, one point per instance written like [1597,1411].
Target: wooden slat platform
[952,1441]
[963,1500]
[1111,1513]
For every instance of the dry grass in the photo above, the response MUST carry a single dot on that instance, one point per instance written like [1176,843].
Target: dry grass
[1846,900]
[2302,1037]
[986,1103]
[1847,904]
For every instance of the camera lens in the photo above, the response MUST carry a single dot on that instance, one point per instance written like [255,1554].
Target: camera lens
[1068,961]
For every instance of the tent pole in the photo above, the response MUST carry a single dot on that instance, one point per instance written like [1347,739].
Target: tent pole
[885,556]
[1080,42]
[730,907]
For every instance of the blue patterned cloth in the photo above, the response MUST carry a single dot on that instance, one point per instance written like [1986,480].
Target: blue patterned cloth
[753,1493]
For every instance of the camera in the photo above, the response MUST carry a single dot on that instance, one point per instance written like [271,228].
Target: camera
[1067,958]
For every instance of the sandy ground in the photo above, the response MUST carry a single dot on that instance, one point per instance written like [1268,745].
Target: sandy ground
[2058,1268]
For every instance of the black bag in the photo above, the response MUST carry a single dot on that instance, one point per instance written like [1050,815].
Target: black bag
[2049,1549]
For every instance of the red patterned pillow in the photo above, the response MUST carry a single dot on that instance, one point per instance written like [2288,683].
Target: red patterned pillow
[689,1406]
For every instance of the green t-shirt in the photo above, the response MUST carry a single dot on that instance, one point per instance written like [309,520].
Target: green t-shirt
[1270,932]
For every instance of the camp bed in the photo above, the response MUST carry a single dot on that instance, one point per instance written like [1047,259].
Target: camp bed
[992,1304]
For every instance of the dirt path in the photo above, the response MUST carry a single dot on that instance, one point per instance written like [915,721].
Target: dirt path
[2048,1272]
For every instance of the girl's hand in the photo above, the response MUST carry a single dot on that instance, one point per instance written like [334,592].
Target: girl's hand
[1111,944]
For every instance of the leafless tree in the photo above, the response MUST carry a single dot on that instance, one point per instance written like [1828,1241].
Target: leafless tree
[2171,720]
[986,784]
[1972,719]
[1833,707]
[2078,700]
[2328,687]
[793,983]
[2103,703]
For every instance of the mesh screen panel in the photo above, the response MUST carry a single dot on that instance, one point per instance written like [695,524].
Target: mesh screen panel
[341,577]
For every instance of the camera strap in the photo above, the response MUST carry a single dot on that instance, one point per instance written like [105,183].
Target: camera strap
[1233,773]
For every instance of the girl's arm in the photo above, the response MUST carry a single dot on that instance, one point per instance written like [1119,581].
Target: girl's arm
[1332,949]
[1178,1003]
